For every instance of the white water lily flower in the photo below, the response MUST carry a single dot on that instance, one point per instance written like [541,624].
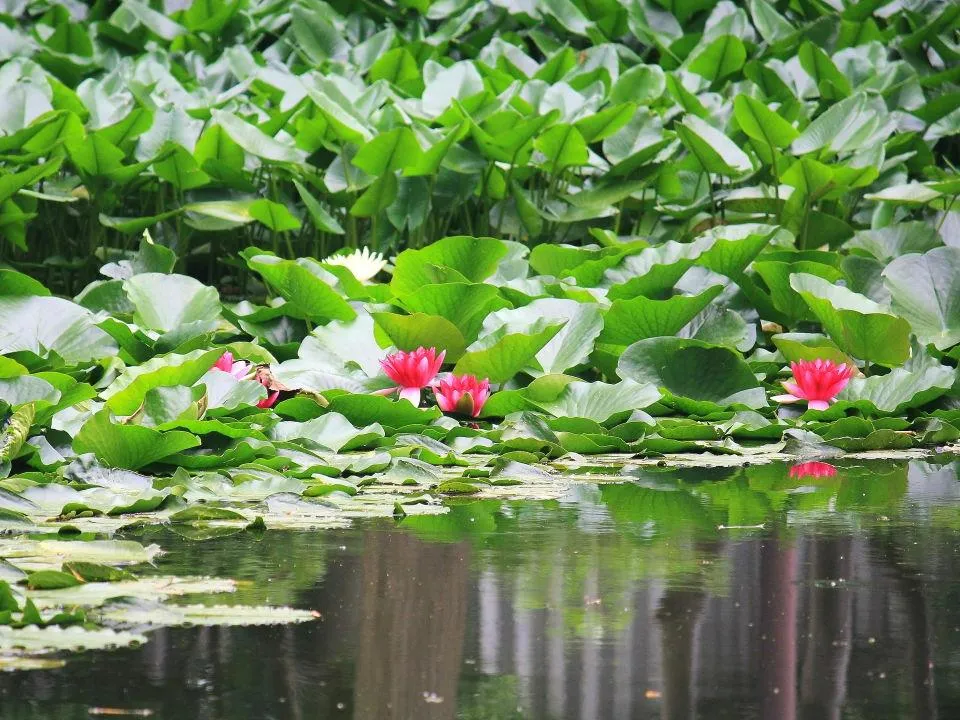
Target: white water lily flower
[362,263]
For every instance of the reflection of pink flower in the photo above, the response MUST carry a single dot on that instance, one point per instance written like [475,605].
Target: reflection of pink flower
[240,369]
[813,469]
[413,371]
[816,381]
[462,394]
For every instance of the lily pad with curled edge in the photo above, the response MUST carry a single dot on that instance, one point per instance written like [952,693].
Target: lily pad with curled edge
[700,378]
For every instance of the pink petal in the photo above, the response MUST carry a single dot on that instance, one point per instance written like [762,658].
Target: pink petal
[269,401]
[818,404]
[785,398]
[239,369]
[412,394]
[793,389]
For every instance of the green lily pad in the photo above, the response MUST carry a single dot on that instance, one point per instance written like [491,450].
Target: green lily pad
[858,325]
[689,369]
[926,292]
[129,446]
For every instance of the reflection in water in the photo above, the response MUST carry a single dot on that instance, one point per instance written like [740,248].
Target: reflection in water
[778,628]
[625,602]
[829,630]
[410,644]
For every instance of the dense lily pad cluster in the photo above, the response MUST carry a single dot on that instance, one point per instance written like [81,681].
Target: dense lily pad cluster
[648,351]
[307,126]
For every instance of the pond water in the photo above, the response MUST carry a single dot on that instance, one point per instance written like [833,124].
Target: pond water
[626,600]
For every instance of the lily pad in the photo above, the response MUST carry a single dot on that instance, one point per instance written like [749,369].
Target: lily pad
[857,324]
[711,376]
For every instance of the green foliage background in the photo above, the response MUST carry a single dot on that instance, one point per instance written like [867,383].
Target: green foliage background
[309,126]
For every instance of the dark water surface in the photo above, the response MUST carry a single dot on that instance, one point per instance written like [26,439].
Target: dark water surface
[622,601]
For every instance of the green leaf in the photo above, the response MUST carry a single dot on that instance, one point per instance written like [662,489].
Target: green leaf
[653,271]
[832,83]
[158,615]
[10,183]
[397,66]
[728,249]
[322,219]
[428,162]
[563,146]
[180,169]
[722,57]
[771,25]
[711,376]
[150,257]
[331,431]
[338,343]
[16,283]
[464,304]
[809,346]
[376,198]
[895,240]
[761,124]
[129,446]
[274,215]
[316,35]
[472,258]
[926,292]
[570,347]
[605,123]
[129,127]
[776,276]
[502,354]
[641,84]
[27,389]
[51,580]
[168,302]
[638,318]
[898,390]
[44,325]
[15,433]
[362,410]
[307,293]
[204,512]
[125,395]
[408,332]
[36,640]
[599,401]
[391,151]
[216,144]
[254,140]
[836,127]
[858,325]
[95,155]
[715,152]
[156,22]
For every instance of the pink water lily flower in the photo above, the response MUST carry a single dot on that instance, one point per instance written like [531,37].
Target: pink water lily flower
[813,469]
[237,368]
[462,394]
[816,381]
[240,369]
[413,371]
